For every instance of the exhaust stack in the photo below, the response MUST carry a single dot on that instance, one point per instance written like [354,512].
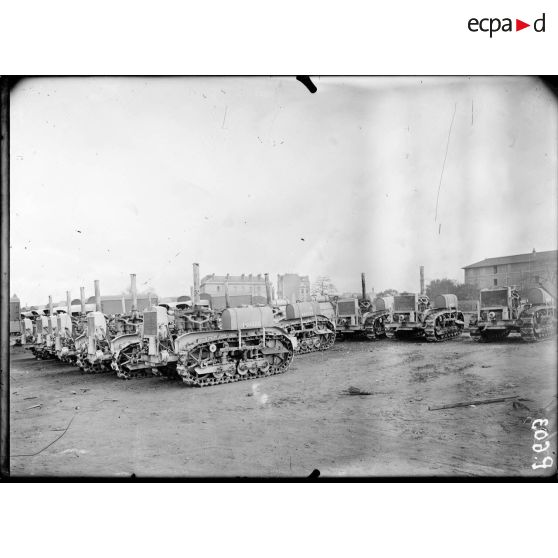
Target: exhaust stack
[98,307]
[227,299]
[268,290]
[50,314]
[363,281]
[123,305]
[134,291]
[421,279]
[69,303]
[82,296]
[196,301]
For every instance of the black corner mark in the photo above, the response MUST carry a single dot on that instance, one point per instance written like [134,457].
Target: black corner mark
[305,80]
[314,474]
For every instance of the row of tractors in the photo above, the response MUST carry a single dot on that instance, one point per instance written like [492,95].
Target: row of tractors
[204,346]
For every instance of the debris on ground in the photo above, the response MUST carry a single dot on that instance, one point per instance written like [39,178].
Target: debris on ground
[32,407]
[356,391]
[478,402]
[518,405]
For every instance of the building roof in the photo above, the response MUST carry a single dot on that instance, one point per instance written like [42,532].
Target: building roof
[518,258]
[233,278]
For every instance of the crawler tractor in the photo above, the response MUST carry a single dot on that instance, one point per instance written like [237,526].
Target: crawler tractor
[499,310]
[63,340]
[125,345]
[48,325]
[16,326]
[107,340]
[93,346]
[502,312]
[49,350]
[538,318]
[29,332]
[314,331]
[95,355]
[41,327]
[414,316]
[155,353]
[376,319]
[357,316]
[249,346]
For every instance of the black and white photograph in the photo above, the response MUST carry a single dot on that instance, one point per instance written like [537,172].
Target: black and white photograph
[281,277]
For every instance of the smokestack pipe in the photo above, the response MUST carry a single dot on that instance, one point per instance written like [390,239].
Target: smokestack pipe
[363,281]
[69,303]
[123,305]
[134,290]
[196,300]
[421,279]
[227,299]
[98,306]
[268,289]
[50,314]
[82,295]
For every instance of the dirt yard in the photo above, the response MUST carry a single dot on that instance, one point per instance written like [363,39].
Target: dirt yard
[293,423]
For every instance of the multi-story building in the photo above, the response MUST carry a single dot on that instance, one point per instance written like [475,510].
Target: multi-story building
[522,270]
[214,285]
[293,287]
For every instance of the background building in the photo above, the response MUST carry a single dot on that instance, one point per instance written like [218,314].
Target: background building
[214,285]
[113,304]
[293,287]
[522,270]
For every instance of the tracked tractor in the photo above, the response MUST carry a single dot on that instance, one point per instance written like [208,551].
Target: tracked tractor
[416,316]
[307,321]
[94,354]
[250,345]
[154,354]
[359,316]
[502,312]
[499,310]
[538,317]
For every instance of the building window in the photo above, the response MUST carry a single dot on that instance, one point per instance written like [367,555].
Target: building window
[495,282]
[495,270]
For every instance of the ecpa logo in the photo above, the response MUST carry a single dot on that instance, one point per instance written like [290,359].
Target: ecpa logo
[494,24]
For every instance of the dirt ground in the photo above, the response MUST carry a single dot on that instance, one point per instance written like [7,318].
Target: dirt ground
[293,423]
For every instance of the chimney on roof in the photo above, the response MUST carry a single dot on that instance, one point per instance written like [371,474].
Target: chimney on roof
[534,251]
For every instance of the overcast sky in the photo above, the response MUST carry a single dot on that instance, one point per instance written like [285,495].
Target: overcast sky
[112,176]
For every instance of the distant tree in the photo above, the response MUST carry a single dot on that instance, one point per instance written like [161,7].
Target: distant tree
[449,286]
[388,292]
[441,286]
[323,286]
[144,293]
[467,292]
